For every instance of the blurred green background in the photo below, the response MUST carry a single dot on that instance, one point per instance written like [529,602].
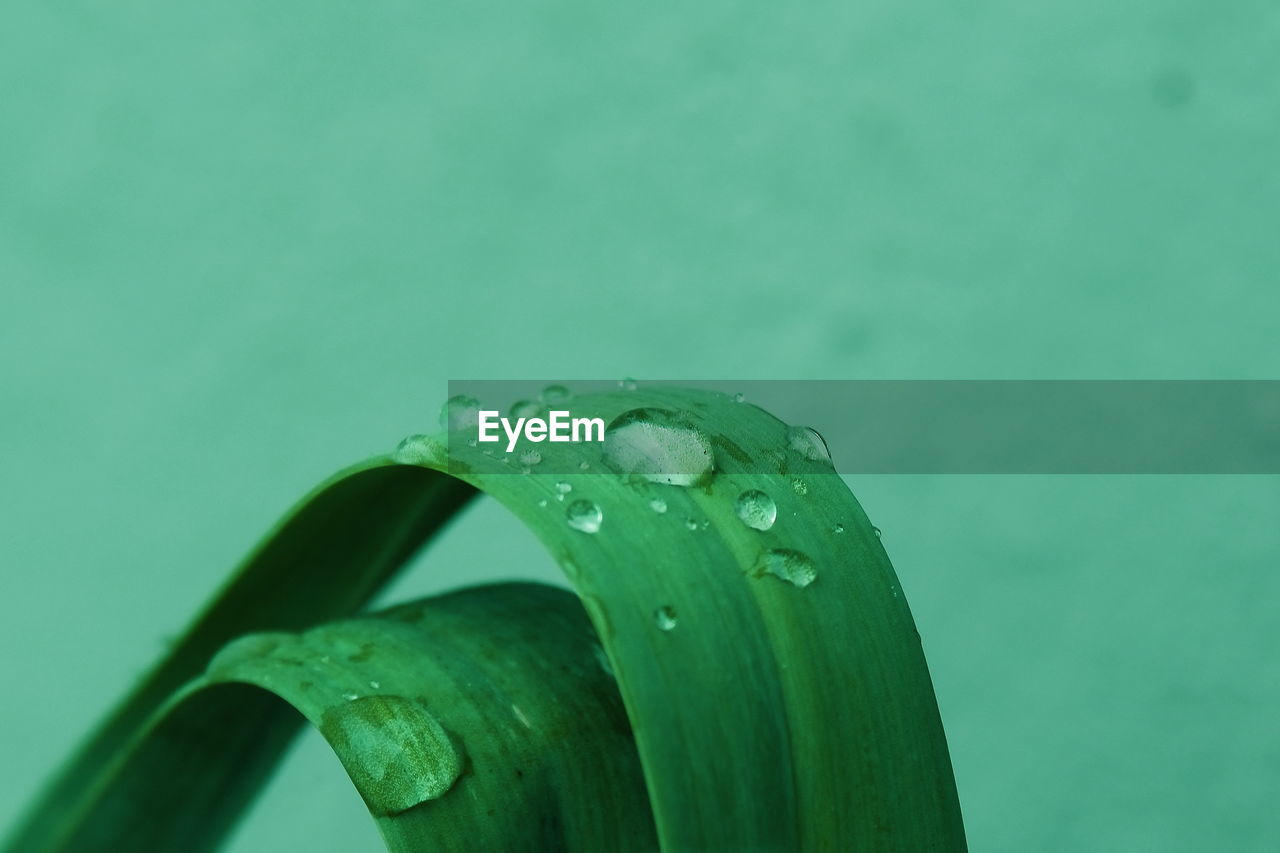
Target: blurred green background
[244,244]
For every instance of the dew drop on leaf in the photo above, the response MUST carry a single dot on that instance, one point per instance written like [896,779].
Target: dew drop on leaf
[658,505]
[525,409]
[554,394]
[808,443]
[837,528]
[460,412]
[417,450]
[794,567]
[660,446]
[397,753]
[756,509]
[530,458]
[584,515]
[800,487]
[665,617]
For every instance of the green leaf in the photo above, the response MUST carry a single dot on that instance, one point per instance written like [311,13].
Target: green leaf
[771,672]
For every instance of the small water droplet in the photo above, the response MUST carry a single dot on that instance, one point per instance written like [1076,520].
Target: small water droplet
[691,524]
[658,505]
[554,394]
[792,566]
[351,696]
[800,487]
[584,465]
[530,457]
[417,450]
[396,752]
[876,530]
[837,528]
[808,443]
[665,617]
[584,515]
[756,509]
[739,397]
[562,489]
[660,446]
[627,384]
[542,502]
[375,685]
[460,412]
[525,409]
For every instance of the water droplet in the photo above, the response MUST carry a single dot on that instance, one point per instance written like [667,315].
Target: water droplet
[375,685]
[659,446]
[584,515]
[627,384]
[562,489]
[658,505]
[554,394]
[691,524]
[837,528]
[542,502]
[665,617]
[460,412]
[418,450]
[584,465]
[876,530]
[756,509]
[792,566]
[739,397]
[800,487]
[530,457]
[525,409]
[351,696]
[396,752]
[808,443]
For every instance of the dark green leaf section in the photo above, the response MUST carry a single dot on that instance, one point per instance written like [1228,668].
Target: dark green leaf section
[479,720]
[771,673]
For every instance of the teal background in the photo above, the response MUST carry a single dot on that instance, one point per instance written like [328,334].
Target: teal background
[242,245]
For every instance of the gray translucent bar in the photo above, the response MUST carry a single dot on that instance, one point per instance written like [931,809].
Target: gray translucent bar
[1003,426]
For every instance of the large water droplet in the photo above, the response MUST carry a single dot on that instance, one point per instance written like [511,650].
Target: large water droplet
[460,412]
[418,450]
[665,617]
[792,566]
[808,443]
[396,752]
[756,509]
[554,394]
[660,446]
[584,515]
[525,409]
